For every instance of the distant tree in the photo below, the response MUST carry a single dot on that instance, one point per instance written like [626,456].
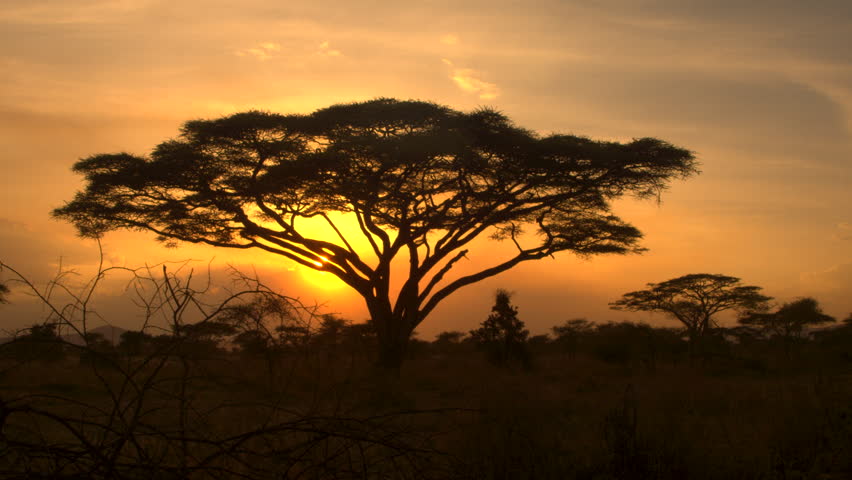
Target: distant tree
[96,348]
[203,338]
[265,322]
[293,337]
[134,343]
[623,343]
[502,335]
[253,342]
[421,181]
[40,343]
[789,323]
[449,341]
[836,342]
[207,331]
[539,341]
[449,337]
[4,291]
[417,347]
[360,338]
[331,330]
[694,299]
[569,335]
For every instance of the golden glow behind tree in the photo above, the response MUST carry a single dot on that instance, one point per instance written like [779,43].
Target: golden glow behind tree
[421,180]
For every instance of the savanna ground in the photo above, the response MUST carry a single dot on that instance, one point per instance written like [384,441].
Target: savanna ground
[179,412]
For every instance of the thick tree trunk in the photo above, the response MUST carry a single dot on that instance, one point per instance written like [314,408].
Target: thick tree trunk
[393,334]
[391,353]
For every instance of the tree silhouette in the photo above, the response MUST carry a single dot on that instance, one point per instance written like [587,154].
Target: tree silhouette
[4,290]
[41,343]
[417,181]
[451,341]
[502,335]
[694,299]
[570,334]
[134,343]
[452,337]
[789,322]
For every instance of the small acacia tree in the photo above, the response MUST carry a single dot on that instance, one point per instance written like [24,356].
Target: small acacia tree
[694,299]
[789,322]
[421,182]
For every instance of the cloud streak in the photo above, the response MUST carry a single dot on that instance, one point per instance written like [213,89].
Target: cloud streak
[263,51]
[471,81]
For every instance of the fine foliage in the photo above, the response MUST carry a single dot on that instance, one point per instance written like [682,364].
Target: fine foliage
[694,299]
[417,181]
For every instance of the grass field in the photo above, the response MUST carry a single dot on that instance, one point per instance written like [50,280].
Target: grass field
[321,414]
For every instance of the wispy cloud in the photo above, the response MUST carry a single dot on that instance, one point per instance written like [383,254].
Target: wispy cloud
[326,50]
[470,81]
[262,52]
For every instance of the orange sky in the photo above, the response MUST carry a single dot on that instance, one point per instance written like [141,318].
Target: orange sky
[761,91]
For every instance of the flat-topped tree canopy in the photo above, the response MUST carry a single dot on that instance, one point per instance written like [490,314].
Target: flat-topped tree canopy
[694,300]
[420,179]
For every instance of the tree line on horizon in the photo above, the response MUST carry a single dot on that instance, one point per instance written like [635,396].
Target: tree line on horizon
[270,327]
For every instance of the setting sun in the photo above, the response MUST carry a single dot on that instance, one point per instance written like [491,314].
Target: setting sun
[321,280]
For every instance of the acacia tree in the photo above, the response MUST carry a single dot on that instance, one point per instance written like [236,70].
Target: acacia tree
[422,181]
[789,322]
[694,299]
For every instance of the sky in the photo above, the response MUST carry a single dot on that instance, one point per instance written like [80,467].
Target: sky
[761,91]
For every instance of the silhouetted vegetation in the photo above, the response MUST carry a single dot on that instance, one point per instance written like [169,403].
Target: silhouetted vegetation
[693,300]
[502,335]
[572,334]
[789,323]
[418,181]
[39,342]
[256,385]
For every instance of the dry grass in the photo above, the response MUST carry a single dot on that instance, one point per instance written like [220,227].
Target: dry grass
[461,417]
